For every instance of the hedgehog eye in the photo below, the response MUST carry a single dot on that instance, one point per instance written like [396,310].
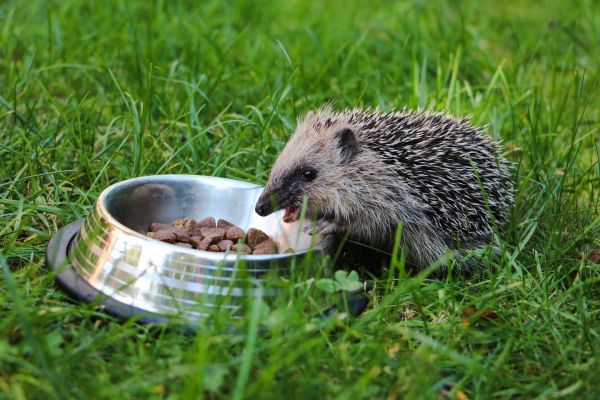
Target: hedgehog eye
[308,174]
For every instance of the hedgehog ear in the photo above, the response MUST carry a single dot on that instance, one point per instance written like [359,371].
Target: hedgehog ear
[346,142]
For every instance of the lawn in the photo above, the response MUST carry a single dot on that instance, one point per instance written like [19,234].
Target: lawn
[92,93]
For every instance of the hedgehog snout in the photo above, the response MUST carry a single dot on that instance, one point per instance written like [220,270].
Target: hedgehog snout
[274,199]
[263,209]
[264,205]
[269,201]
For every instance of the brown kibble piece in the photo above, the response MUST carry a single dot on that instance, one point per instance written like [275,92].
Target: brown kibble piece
[207,223]
[159,227]
[204,244]
[195,241]
[243,248]
[165,235]
[234,234]
[181,234]
[223,223]
[595,257]
[265,247]
[256,236]
[215,234]
[195,231]
[225,245]
[186,245]
[288,250]
[182,222]
[192,227]
[214,248]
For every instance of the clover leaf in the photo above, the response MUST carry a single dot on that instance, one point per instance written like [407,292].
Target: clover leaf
[345,281]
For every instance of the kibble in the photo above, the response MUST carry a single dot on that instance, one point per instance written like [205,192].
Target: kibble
[215,234]
[241,248]
[224,245]
[223,223]
[265,247]
[204,244]
[195,241]
[207,223]
[159,227]
[181,234]
[235,234]
[256,236]
[211,235]
[165,235]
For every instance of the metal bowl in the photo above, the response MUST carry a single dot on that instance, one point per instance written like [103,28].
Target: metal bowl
[111,253]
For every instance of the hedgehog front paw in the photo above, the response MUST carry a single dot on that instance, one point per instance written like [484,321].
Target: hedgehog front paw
[321,226]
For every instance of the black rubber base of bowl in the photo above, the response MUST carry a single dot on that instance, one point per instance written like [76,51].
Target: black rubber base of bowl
[57,253]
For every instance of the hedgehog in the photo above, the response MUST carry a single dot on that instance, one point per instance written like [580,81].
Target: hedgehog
[365,173]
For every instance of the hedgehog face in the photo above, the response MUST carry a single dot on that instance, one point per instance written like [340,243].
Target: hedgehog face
[311,165]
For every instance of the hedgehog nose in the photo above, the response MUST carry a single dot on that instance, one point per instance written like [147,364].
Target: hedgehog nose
[262,209]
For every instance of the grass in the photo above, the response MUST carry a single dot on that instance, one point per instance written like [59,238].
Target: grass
[96,92]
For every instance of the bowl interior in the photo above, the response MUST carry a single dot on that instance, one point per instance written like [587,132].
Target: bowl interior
[137,203]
